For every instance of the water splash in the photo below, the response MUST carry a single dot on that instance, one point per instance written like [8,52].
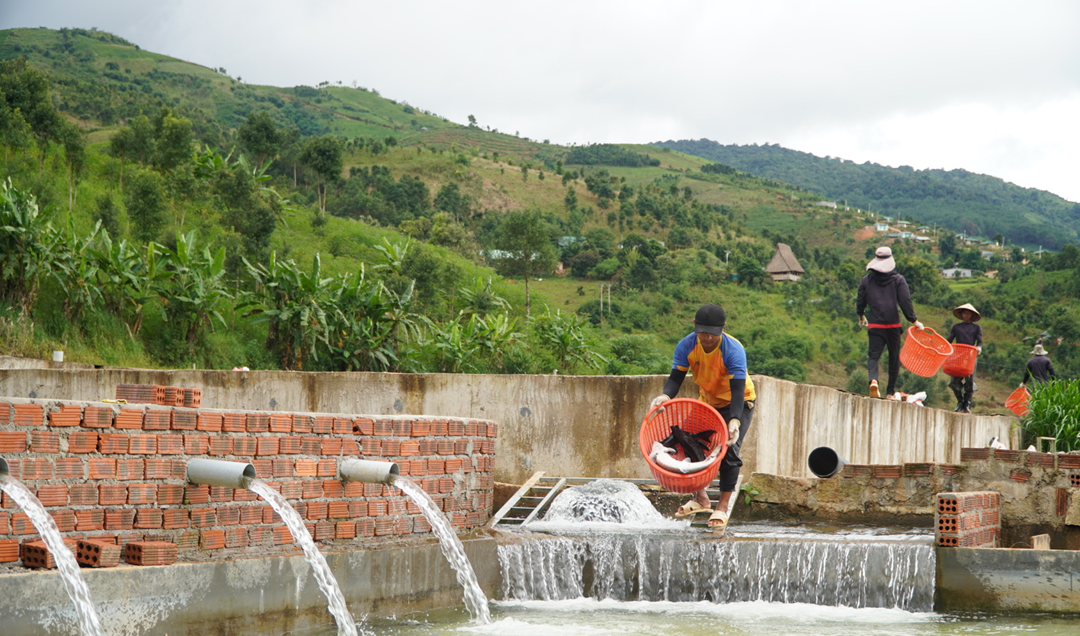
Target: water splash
[609,505]
[475,600]
[659,567]
[65,560]
[325,578]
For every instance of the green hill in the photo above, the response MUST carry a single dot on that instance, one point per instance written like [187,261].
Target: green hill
[975,204]
[405,214]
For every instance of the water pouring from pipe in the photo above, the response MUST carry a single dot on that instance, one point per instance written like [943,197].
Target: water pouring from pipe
[215,472]
[89,624]
[388,473]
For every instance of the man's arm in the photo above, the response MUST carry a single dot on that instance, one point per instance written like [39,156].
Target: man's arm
[674,383]
[903,297]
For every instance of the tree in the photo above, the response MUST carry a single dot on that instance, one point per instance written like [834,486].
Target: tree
[323,156]
[145,202]
[75,157]
[260,136]
[472,121]
[450,199]
[172,138]
[524,247]
[135,142]
[26,90]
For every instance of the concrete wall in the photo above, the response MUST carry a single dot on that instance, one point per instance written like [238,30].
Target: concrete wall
[565,425]
[244,597]
[1001,580]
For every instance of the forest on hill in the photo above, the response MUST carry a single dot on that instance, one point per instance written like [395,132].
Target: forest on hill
[157,213]
[962,201]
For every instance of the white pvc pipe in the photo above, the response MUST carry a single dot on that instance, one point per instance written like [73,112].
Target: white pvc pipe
[215,472]
[368,471]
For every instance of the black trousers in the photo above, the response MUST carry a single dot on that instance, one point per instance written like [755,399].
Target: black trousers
[962,388]
[731,463]
[879,339]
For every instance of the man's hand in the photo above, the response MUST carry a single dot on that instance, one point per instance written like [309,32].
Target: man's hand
[978,349]
[658,400]
[919,326]
[863,322]
[733,427]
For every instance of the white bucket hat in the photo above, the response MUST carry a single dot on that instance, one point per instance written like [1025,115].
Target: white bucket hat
[883,261]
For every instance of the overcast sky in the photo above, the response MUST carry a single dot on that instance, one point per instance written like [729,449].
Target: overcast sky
[989,86]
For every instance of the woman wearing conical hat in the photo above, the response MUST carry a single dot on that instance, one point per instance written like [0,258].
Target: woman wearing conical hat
[1039,367]
[965,332]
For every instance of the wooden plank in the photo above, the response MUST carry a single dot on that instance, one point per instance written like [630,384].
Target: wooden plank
[512,501]
[551,495]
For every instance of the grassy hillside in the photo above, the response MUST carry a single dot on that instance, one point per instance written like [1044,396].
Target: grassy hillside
[976,204]
[421,211]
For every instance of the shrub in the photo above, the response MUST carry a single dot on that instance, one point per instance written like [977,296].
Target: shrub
[1054,411]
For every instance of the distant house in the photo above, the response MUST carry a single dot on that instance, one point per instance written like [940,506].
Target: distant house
[784,265]
[907,235]
[881,226]
[902,224]
[922,239]
[956,272]
[827,204]
[986,254]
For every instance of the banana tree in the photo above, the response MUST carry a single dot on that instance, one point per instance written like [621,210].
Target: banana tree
[373,327]
[196,288]
[28,244]
[127,278]
[564,335]
[75,270]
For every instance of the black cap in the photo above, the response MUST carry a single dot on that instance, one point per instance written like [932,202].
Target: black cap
[710,319]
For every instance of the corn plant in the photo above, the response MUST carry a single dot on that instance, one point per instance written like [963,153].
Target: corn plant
[1054,411]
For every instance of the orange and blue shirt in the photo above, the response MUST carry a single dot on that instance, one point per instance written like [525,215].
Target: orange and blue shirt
[714,371]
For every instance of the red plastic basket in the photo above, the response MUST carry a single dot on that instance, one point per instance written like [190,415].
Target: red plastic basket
[961,363]
[924,351]
[1017,402]
[692,416]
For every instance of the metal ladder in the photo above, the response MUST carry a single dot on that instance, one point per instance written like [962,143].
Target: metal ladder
[537,493]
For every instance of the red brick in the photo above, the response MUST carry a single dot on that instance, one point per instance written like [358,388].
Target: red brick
[233,423]
[428,446]
[157,420]
[409,449]
[267,446]
[67,415]
[436,466]
[376,508]
[250,515]
[220,445]
[420,525]
[188,540]
[150,553]
[236,538]
[384,526]
[372,490]
[338,510]
[882,471]
[280,423]
[282,467]
[306,467]
[282,536]
[1008,456]
[170,444]
[35,554]
[221,494]
[326,468]
[228,515]
[310,445]
[82,494]
[36,468]
[96,554]
[302,423]
[130,469]
[417,467]
[97,417]
[28,415]
[452,466]
[316,510]
[209,422]
[141,444]
[324,530]
[471,428]
[402,428]
[333,489]
[69,468]
[439,428]
[148,519]
[257,422]
[420,428]
[142,493]
[5,414]
[264,468]
[313,489]
[44,442]
[184,420]
[331,446]
[170,494]
[196,444]
[157,468]
[350,447]
[82,442]
[20,524]
[89,520]
[353,489]
[196,494]
[372,446]
[292,489]
[363,426]
[244,446]
[341,426]
[119,519]
[365,527]
[289,445]
[13,442]
[395,507]
[53,495]
[102,468]
[243,494]
[357,509]
[322,424]
[203,517]
[345,529]
[129,419]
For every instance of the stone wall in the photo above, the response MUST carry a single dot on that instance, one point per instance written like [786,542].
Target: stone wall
[118,473]
[581,426]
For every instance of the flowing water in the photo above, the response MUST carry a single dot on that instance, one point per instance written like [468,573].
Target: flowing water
[65,560]
[451,547]
[346,626]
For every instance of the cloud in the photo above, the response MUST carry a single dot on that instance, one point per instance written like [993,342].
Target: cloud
[986,86]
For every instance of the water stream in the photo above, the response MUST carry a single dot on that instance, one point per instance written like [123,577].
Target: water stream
[65,560]
[346,626]
[475,600]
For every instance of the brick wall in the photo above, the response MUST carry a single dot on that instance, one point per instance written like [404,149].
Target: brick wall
[118,473]
[968,520]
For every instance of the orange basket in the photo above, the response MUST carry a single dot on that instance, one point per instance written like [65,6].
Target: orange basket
[692,416]
[961,363]
[924,351]
[1017,402]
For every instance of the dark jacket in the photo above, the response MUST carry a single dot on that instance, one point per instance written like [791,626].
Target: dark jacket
[1040,369]
[966,333]
[882,294]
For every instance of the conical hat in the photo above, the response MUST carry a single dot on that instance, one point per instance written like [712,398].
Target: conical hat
[967,306]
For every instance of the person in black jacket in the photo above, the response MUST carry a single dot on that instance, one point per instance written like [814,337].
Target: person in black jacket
[966,333]
[1039,367]
[882,290]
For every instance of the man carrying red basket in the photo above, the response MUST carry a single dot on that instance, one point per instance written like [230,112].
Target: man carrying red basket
[965,333]
[718,364]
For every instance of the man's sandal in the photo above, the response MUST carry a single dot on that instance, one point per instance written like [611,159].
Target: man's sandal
[718,522]
[691,508]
